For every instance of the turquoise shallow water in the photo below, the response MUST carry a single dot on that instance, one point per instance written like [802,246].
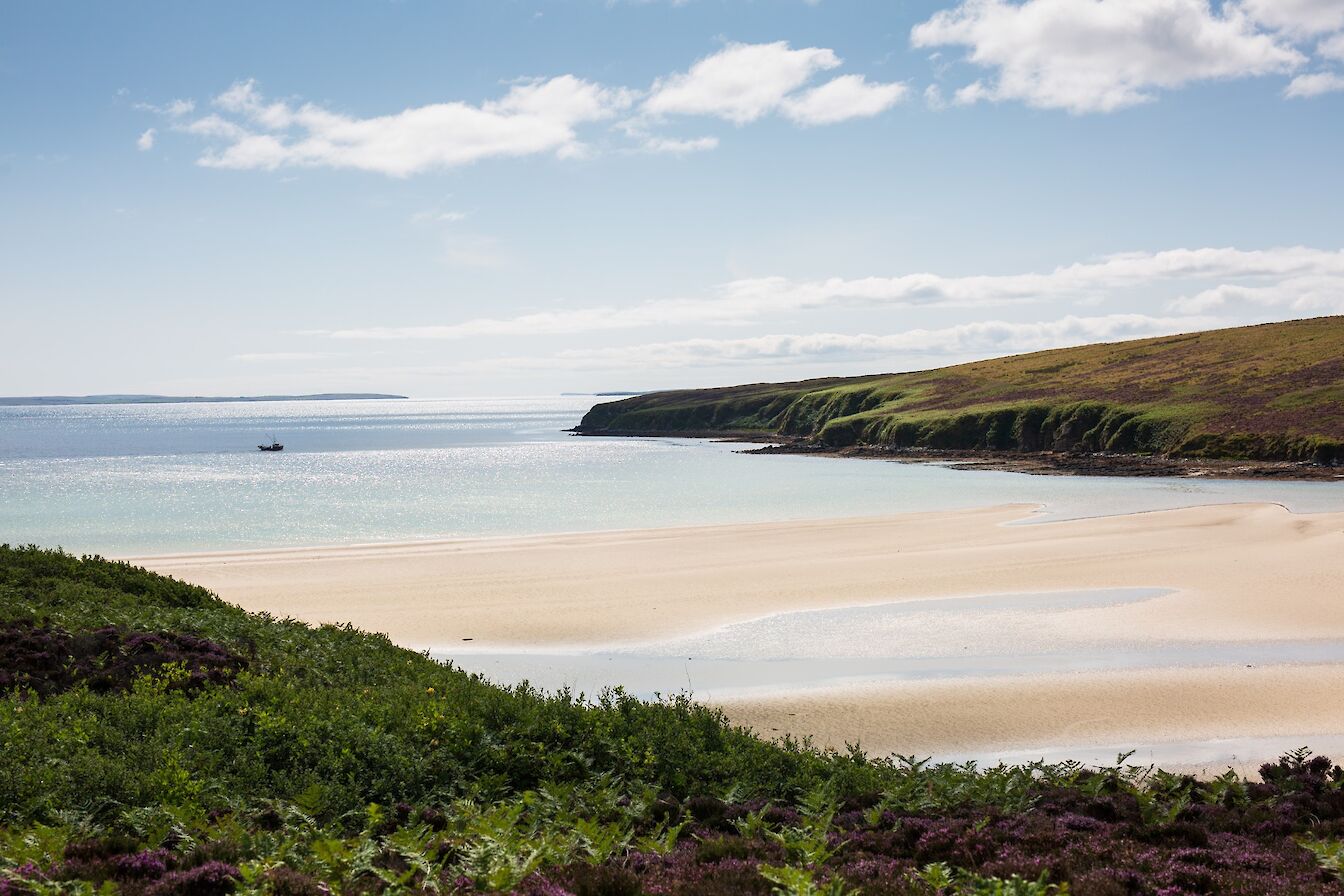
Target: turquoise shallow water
[141,479]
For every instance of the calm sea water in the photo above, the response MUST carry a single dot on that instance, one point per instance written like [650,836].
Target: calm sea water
[143,479]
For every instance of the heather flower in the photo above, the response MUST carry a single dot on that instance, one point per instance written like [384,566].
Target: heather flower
[147,865]
[48,660]
[210,879]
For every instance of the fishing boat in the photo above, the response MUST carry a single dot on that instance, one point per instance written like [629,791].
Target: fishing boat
[274,446]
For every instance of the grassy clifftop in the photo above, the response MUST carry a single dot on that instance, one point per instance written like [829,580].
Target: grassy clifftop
[1274,391]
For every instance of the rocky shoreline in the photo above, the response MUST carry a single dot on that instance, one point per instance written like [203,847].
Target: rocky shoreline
[1041,463]
[1060,463]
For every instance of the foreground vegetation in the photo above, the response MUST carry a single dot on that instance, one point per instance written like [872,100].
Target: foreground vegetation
[154,740]
[1270,392]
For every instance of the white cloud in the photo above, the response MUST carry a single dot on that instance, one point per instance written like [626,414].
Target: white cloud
[1102,55]
[213,126]
[745,82]
[895,351]
[1306,86]
[1297,274]
[1332,47]
[173,109]
[1308,295]
[842,98]
[1299,17]
[145,141]
[534,117]
[243,98]
[678,147]
[741,82]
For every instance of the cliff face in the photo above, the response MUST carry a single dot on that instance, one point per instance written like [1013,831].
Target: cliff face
[1269,392]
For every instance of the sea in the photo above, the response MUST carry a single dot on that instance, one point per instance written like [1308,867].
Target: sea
[146,479]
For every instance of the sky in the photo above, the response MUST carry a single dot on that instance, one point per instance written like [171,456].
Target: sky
[498,197]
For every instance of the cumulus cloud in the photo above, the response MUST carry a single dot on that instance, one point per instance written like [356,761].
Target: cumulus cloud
[1307,86]
[533,117]
[745,82]
[1297,277]
[1101,55]
[145,141]
[842,98]
[1299,17]
[740,83]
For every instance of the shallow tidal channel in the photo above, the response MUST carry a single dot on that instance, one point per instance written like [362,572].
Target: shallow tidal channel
[983,636]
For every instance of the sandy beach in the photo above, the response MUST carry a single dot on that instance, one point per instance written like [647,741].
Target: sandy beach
[1176,713]
[1250,573]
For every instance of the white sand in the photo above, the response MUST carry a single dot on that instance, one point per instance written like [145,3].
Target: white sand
[1238,572]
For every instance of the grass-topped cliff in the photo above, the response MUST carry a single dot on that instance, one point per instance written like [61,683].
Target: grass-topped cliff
[1270,392]
[155,741]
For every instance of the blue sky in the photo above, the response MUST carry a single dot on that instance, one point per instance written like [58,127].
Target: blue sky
[502,197]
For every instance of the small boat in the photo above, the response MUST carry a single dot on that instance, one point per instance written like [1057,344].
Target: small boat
[274,446]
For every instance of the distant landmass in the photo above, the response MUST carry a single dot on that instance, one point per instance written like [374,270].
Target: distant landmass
[1273,392]
[183,399]
[606,394]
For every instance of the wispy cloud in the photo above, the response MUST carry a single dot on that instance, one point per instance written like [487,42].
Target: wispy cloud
[678,147]
[1294,277]
[171,109]
[145,141]
[894,351]
[438,216]
[262,357]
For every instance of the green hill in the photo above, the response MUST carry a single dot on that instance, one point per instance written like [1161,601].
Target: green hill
[1268,392]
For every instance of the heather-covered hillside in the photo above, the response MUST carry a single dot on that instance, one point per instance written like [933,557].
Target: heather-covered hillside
[155,741]
[1273,392]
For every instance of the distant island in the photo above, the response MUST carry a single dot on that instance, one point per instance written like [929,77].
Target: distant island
[1258,400]
[185,399]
